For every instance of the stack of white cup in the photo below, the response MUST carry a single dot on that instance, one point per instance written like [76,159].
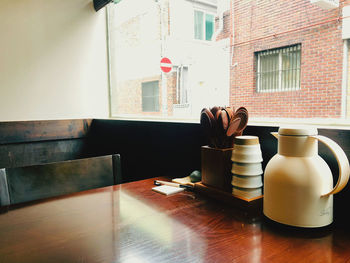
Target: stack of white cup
[247,167]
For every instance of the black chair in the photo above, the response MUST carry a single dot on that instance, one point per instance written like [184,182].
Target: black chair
[23,184]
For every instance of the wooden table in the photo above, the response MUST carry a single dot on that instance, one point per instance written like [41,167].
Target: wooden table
[131,223]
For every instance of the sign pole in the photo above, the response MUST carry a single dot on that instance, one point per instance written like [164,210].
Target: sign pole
[166,66]
[164,95]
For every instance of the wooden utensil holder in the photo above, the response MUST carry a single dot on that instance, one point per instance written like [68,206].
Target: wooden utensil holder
[251,205]
[216,168]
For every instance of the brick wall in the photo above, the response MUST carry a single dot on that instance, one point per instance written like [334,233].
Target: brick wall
[226,30]
[171,89]
[321,57]
[127,96]
[348,86]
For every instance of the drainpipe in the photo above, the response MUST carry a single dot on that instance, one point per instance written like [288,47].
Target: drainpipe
[344,80]
[232,38]
[164,100]
[221,26]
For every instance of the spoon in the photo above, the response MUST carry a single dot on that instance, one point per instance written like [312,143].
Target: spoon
[229,112]
[241,113]
[208,123]
[232,129]
[225,119]
[214,110]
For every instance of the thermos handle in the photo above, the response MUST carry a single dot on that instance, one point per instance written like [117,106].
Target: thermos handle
[343,163]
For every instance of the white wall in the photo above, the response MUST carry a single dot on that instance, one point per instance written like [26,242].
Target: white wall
[134,27]
[53,60]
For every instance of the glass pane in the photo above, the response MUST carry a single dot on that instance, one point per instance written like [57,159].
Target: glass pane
[297,78]
[198,25]
[285,70]
[301,80]
[269,71]
[209,26]
[184,85]
[290,77]
[149,105]
[150,88]
[150,96]
[141,34]
[276,75]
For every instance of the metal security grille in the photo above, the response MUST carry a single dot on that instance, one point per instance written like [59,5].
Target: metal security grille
[181,84]
[278,69]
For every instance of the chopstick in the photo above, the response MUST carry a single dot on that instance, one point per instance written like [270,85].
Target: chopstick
[159,182]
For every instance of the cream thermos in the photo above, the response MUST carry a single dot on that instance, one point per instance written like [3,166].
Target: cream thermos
[298,184]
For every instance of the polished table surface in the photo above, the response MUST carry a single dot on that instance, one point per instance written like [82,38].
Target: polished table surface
[131,223]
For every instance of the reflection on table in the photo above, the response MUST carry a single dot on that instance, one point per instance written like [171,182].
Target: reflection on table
[131,223]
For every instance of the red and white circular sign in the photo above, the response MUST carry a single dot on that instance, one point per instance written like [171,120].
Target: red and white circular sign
[166,65]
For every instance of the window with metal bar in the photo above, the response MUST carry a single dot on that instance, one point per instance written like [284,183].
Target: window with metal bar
[181,84]
[278,69]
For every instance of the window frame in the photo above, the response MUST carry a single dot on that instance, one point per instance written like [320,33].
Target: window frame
[280,52]
[333,123]
[203,24]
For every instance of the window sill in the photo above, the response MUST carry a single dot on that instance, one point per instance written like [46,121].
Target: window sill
[181,106]
[341,123]
[337,124]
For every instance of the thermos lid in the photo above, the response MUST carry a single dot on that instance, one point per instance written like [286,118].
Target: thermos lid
[297,131]
[246,140]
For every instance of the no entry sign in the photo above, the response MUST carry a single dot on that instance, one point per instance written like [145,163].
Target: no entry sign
[165,65]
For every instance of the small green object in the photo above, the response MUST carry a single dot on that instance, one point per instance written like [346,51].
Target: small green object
[195,176]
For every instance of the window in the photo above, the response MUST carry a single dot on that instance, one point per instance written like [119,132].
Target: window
[278,69]
[229,53]
[203,25]
[140,34]
[181,84]
[150,96]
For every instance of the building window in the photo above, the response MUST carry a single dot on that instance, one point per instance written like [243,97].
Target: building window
[203,25]
[181,84]
[278,69]
[150,96]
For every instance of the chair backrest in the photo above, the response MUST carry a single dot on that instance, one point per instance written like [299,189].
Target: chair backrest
[23,184]
[4,191]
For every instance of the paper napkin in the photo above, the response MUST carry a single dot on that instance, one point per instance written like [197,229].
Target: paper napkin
[167,190]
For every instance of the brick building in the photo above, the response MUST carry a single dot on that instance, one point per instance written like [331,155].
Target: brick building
[289,59]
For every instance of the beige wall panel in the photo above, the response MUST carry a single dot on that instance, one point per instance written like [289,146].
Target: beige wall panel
[53,60]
